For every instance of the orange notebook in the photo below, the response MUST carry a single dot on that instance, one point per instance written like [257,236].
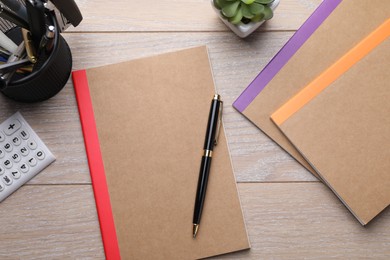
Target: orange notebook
[340,124]
[343,29]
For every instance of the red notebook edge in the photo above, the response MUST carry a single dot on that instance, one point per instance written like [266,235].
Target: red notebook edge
[96,166]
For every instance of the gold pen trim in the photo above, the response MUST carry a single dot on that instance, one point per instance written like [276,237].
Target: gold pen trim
[195,228]
[207,153]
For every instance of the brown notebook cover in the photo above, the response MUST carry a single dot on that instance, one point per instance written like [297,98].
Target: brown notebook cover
[340,123]
[349,23]
[151,117]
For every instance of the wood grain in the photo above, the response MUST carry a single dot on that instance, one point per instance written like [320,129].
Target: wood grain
[289,214]
[173,16]
[50,222]
[306,221]
[284,221]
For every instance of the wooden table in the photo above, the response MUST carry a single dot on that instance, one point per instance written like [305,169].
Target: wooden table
[289,213]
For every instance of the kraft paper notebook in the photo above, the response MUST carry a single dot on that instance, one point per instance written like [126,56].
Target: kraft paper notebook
[148,118]
[343,29]
[340,123]
[284,55]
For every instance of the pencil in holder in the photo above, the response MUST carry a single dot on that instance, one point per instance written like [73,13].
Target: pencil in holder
[49,75]
[51,65]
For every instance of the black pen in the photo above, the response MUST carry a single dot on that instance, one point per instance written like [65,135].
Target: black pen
[213,127]
[36,20]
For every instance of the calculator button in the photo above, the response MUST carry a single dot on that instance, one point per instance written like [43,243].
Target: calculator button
[24,167]
[12,127]
[22,154]
[24,134]
[24,151]
[7,179]
[8,147]
[16,157]
[32,161]
[32,144]
[15,174]
[7,163]
[40,155]
[16,141]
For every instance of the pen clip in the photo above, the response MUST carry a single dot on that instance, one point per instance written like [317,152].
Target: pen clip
[219,122]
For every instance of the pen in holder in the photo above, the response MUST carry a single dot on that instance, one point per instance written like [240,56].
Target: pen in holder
[49,57]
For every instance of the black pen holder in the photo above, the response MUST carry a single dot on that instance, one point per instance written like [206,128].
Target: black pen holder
[49,75]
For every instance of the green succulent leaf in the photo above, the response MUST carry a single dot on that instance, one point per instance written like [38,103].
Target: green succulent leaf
[221,3]
[256,8]
[248,2]
[246,12]
[264,2]
[236,10]
[230,10]
[237,18]
[216,4]
[268,13]
[223,15]
[258,18]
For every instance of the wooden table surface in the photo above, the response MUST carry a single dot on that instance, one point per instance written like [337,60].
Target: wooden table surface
[289,213]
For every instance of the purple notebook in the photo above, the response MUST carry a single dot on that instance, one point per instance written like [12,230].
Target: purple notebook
[283,56]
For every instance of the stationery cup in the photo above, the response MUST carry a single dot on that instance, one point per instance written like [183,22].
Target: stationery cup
[49,75]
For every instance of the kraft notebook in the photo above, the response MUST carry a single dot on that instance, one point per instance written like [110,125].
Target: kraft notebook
[340,123]
[284,55]
[144,123]
[343,29]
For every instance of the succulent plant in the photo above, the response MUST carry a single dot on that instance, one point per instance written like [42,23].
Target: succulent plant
[245,11]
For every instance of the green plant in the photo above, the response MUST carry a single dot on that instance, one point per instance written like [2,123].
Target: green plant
[245,11]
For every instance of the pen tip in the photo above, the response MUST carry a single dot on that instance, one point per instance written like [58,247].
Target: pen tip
[195,229]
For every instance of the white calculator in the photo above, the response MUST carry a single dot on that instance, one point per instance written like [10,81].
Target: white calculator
[22,154]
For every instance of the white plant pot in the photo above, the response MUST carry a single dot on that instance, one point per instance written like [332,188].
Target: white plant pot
[241,29]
